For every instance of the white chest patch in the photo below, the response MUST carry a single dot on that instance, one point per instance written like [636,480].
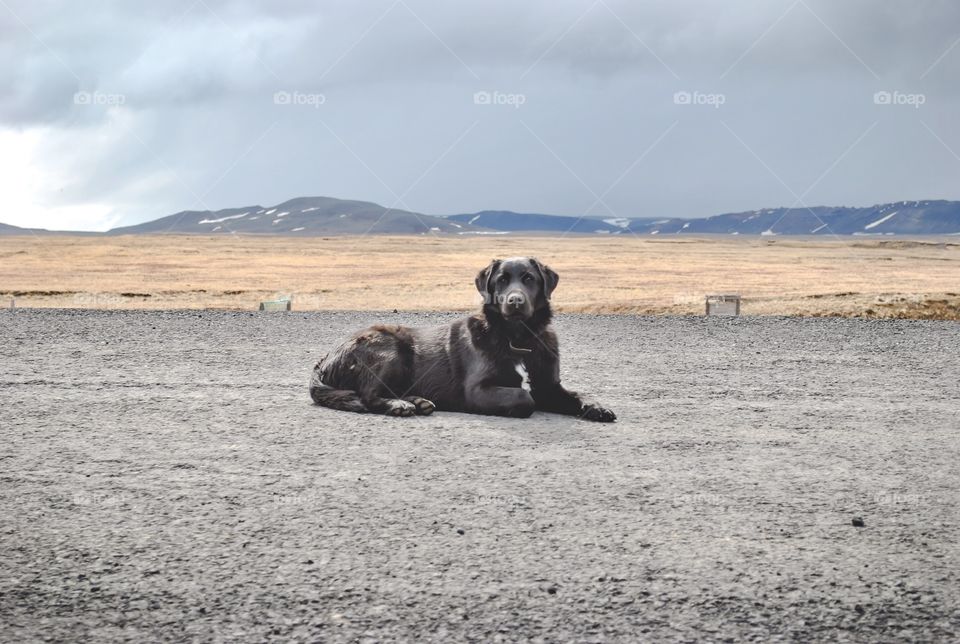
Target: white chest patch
[524,376]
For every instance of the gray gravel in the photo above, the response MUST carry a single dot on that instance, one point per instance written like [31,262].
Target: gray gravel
[165,477]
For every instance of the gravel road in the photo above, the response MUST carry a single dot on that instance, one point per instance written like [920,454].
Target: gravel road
[165,477]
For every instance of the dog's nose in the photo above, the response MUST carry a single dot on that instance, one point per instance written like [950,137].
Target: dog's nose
[515,299]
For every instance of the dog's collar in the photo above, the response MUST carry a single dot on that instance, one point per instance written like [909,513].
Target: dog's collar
[520,350]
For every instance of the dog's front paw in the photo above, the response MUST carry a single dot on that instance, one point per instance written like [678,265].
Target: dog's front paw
[399,407]
[424,406]
[597,413]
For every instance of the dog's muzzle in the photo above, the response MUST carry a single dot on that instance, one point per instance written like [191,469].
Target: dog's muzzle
[515,304]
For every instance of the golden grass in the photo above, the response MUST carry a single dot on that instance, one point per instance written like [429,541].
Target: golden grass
[624,274]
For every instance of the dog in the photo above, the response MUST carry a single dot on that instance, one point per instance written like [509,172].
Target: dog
[503,361]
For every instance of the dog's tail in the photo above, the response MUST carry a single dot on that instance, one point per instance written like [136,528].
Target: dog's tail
[326,396]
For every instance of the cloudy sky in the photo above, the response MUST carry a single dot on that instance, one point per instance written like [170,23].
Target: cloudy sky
[117,112]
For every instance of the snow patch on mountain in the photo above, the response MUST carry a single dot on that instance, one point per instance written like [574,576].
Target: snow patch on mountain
[620,222]
[880,221]
[223,219]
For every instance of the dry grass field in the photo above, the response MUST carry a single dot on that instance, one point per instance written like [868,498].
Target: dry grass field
[867,277]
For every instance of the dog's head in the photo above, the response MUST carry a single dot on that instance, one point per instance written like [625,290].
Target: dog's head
[516,288]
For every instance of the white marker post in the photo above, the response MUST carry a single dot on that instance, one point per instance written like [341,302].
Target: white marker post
[723,304]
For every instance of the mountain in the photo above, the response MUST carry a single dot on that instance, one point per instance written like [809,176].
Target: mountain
[313,216]
[7,229]
[304,216]
[507,220]
[899,218]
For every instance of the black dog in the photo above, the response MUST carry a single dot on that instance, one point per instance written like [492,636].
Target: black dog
[503,361]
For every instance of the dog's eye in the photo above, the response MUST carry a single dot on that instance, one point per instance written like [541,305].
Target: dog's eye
[528,279]
[503,279]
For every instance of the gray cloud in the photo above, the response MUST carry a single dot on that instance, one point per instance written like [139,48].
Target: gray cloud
[182,114]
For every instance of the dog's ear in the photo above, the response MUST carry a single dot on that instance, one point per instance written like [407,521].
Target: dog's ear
[483,279]
[549,276]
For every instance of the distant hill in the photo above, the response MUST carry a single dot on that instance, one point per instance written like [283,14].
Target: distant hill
[507,220]
[313,216]
[899,218]
[304,216]
[7,229]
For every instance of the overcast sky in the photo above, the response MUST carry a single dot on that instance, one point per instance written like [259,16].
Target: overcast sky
[116,112]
